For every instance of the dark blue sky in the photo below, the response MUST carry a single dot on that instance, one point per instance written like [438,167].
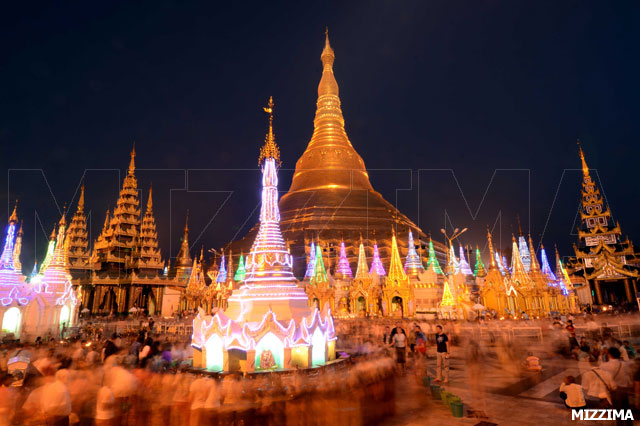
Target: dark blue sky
[473,86]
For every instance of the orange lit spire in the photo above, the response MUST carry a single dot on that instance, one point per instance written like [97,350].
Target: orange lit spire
[132,161]
[585,168]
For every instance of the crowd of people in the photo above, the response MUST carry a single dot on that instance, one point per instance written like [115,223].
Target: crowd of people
[146,378]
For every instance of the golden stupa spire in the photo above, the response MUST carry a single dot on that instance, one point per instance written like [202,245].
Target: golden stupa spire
[270,148]
[132,162]
[329,160]
[14,215]
[585,168]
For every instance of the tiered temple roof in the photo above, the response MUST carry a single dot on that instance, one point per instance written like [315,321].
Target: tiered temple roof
[149,256]
[78,255]
[118,241]
[601,252]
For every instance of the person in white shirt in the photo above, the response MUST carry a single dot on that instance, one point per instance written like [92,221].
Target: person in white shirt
[599,384]
[573,394]
[618,369]
[400,343]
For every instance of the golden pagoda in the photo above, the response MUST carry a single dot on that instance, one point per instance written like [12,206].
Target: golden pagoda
[148,256]
[604,264]
[77,241]
[181,268]
[397,291]
[364,293]
[126,263]
[331,196]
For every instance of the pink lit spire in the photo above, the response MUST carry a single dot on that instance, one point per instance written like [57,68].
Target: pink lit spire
[376,263]
[6,260]
[269,258]
[343,270]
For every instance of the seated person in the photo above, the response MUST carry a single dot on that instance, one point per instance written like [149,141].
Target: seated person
[532,363]
[572,393]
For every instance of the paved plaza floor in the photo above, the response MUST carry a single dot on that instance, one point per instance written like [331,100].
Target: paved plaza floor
[522,399]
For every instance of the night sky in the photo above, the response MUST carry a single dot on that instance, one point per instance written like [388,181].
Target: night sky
[438,97]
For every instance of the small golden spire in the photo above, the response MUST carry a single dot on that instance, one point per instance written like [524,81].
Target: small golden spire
[63,221]
[132,162]
[20,230]
[14,215]
[150,200]
[53,233]
[186,223]
[270,148]
[81,199]
[585,168]
[491,252]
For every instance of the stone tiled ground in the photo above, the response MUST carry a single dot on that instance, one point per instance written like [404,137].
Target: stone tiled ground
[511,399]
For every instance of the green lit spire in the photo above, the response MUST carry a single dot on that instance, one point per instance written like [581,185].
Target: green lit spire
[320,273]
[479,270]
[433,261]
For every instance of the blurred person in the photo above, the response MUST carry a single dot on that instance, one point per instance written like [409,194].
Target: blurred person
[631,352]
[198,393]
[105,407]
[400,344]
[109,348]
[442,355]
[622,379]
[572,393]
[573,342]
[386,336]
[475,364]
[599,384]
[55,400]
[212,404]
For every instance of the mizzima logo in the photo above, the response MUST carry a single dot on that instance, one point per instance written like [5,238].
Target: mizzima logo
[601,415]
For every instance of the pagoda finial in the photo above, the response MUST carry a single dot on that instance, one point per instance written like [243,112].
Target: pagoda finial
[519,226]
[81,199]
[327,55]
[150,200]
[14,215]
[53,234]
[491,252]
[270,148]
[585,168]
[132,162]
[106,222]
[186,223]
[63,221]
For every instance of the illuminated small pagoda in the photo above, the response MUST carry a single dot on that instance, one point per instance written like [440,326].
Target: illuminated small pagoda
[268,323]
[14,292]
[605,264]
